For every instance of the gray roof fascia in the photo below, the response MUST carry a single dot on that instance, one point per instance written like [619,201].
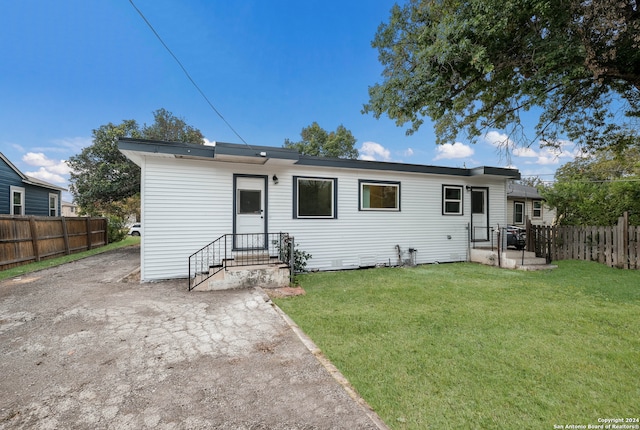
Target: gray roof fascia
[255,151]
[42,184]
[235,149]
[496,171]
[403,167]
[172,148]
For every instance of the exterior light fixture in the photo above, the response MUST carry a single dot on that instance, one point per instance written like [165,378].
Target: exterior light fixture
[275,179]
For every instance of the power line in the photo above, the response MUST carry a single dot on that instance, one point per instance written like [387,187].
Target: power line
[187,73]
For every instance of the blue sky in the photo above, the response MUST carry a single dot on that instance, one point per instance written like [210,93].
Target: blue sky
[269,67]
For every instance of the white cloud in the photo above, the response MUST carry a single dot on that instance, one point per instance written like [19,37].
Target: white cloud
[456,150]
[38,159]
[524,152]
[408,152]
[208,142]
[50,170]
[372,151]
[47,176]
[70,144]
[498,139]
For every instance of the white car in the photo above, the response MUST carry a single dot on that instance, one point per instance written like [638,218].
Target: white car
[135,229]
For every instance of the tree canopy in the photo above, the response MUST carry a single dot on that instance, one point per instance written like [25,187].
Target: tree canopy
[597,190]
[475,65]
[318,142]
[103,180]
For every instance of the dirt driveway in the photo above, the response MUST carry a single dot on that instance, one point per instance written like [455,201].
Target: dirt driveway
[84,346]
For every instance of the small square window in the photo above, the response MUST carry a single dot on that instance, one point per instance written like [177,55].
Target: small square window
[451,200]
[537,209]
[250,202]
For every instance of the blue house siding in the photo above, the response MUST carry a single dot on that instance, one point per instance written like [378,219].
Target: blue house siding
[8,177]
[36,197]
[37,201]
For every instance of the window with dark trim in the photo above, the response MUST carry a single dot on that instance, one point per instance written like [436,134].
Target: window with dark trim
[452,199]
[379,195]
[314,197]
[518,212]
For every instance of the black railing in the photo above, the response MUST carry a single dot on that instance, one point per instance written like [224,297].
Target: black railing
[233,250]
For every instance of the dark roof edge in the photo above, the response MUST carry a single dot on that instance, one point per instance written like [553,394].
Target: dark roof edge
[344,163]
[173,148]
[234,149]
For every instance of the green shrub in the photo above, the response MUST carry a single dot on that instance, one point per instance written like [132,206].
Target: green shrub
[116,229]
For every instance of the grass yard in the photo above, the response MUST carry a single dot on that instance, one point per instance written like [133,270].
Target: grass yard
[470,346]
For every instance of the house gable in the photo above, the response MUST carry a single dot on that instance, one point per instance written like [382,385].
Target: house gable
[35,193]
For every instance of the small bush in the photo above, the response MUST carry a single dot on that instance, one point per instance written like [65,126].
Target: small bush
[116,229]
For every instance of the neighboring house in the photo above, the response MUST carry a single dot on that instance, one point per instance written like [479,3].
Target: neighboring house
[524,202]
[69,209]
[24,195]
[345,213]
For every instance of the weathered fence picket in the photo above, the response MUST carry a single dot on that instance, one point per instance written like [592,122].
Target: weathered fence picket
[615,246]
[25,239]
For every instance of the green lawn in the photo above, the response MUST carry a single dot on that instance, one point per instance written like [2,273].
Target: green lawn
[471,346]
[32,267]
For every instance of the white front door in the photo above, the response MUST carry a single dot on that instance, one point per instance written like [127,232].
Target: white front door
[479,214]
[250,223]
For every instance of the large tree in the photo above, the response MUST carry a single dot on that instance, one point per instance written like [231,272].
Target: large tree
[317,141]
[598,189]
[475,65]
[103,180]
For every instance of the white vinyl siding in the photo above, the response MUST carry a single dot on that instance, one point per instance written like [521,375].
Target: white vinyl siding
[189,203]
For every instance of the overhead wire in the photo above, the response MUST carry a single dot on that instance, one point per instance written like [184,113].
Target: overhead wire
[187,73]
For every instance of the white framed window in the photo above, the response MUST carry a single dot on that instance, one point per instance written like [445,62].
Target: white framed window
[17,200]
[536,209]
[518,212]
[315,197]
[379,196]
[452,200]
[53,204]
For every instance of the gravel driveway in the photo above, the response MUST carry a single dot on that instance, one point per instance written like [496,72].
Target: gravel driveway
[85,346]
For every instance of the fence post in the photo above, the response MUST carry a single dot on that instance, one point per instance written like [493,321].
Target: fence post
[292,269]
[88,226]
[622,231]
[34,237]
[65,233]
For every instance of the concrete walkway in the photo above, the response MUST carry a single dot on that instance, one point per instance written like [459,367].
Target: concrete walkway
[85,345]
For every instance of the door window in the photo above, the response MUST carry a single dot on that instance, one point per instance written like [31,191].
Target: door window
[250,201]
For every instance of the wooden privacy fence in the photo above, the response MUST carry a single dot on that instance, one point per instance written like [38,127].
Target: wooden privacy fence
[615,246]
[25,239]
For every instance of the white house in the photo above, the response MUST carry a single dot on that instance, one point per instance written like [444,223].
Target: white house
[524,202]
[345,213]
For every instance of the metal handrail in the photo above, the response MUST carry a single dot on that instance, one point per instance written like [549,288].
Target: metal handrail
[235,250]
